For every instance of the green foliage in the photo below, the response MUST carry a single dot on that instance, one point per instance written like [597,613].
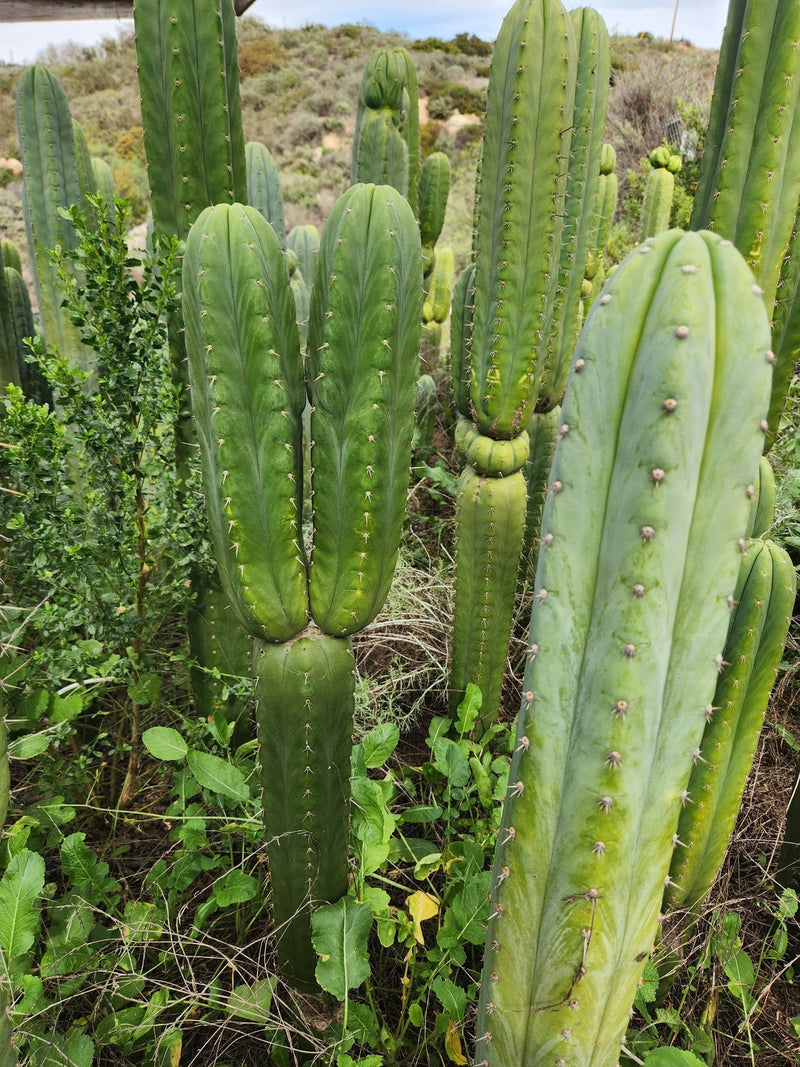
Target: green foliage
[94,538]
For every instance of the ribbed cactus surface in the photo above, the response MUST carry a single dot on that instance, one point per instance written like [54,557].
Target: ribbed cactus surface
[661,433]
[247,387]
[188,69]
[264,187]
[363,341]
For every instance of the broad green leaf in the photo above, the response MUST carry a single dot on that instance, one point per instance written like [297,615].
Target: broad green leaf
[449,760]
[144,691]
[452,997]
[739,969]
[217,775]
[74,1050]
[468,709]
[85,871]
[251,1002]
[20,889]
[340,932]
[672,1057]
[164,743]
[421,813]
[235,887]
[380,743]
[28,746]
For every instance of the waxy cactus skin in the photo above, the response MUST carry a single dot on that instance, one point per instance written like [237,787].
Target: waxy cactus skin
[764,599]
[264,187]
[249,393]
[363,344]
[188,68]
[647,505]
[246,380]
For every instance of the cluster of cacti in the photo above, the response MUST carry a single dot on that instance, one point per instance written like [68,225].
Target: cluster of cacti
[659,192]
[248,395]
[515,319]
[187,65]
[386,150]
[642,539]
[749,184]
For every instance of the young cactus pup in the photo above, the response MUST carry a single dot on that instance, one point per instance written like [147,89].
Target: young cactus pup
[248,395]
[646,510]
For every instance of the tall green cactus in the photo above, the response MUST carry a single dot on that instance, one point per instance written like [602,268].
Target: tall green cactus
[663,426]
[51,182]
[749,184]
[659,192]
[540,139]
[248,394]
[764,599]
[386,143]
[264,187]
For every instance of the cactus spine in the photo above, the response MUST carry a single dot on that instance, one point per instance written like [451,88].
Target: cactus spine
[749,183]
[764,599]
[248,394]
[646,507]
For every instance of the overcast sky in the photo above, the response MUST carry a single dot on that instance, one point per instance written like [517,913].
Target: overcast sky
[700,21]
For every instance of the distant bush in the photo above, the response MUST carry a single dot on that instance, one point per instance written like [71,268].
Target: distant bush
[447,97]
[261,56]
[466,44]
[130,145]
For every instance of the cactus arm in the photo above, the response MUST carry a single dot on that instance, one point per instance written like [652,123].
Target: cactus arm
[749,182]
[646,506]
[363,344]
[764,493]
[491,519]
[434,187]
[247,394]
[542,434]
[785,331]
[304,694]
[50,182]
[521,193]
[264,187]
[461,336]
[657,206]
[191,110]
[764,599]
[583,176]
[304,242]
[9,363]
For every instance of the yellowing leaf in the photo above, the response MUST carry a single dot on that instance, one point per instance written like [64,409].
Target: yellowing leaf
[452,1044]
[421,906]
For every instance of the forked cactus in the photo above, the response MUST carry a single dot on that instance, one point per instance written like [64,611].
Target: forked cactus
[662,428]
[659,192]
[248,394]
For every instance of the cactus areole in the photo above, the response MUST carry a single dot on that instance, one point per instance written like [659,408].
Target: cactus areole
[642,540]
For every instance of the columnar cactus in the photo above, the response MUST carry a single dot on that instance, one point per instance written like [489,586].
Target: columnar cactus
[659,192]
[264,187]
[248,394]
[749,184]
[661,431]
[537,141]
[764,599]
[604,211]
[386,143]
[51,182]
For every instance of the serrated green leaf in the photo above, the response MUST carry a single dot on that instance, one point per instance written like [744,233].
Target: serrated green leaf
[340,932]
[28,746]
[215,774]
[164,743]
[449,760]
[452,997]
[20,889]
[74,1050]
[84,870]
